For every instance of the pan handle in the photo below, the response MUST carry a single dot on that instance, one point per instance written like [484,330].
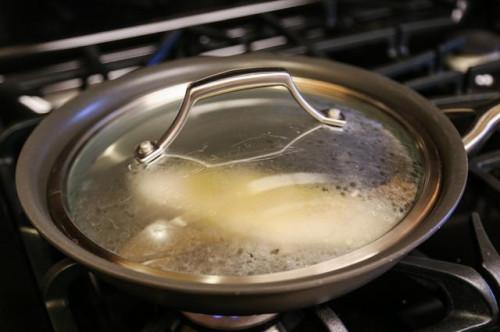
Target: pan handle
[482,129]
[235,80]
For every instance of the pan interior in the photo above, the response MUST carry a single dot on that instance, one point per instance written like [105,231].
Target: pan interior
[252,185]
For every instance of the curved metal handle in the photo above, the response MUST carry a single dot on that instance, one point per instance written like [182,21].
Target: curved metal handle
[482,129]
[230,81]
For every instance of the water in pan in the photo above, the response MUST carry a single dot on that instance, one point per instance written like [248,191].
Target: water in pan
[324,194]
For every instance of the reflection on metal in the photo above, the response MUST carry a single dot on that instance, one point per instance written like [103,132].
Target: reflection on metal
[484,80]
[257,45]
[483,128]
[66,85]
[136,52]
[152,28]
[462,63]
[29,230]
[458,13]
[458,111]
[461,285]
[36,104]
[273,329]
[236,80]
[469,100]
[55,290]
[330,319]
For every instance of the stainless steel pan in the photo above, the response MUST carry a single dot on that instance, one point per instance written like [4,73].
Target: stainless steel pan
[57,144]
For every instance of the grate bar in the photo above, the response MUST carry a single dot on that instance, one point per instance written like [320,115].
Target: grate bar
[151,28]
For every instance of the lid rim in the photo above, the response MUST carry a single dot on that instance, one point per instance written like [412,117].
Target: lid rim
[424,202]
[31,175]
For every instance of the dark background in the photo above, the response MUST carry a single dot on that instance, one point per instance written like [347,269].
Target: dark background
[23,21]
[27,21]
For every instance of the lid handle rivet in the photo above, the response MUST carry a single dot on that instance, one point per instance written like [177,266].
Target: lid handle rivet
[145,148]
[335,114]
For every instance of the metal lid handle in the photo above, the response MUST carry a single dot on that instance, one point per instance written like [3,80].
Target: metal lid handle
[230,81]
[483,128]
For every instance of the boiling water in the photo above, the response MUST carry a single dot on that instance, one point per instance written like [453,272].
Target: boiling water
[236,221]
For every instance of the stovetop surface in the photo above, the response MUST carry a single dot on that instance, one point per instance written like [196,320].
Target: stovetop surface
[449,283]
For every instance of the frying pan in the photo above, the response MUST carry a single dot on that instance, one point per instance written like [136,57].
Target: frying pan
[44,161]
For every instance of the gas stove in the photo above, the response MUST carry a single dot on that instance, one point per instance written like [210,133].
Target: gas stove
[446,50]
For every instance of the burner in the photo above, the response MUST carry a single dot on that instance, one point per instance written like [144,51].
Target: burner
[229,323]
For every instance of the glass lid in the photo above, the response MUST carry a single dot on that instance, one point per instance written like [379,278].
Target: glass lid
[250,185]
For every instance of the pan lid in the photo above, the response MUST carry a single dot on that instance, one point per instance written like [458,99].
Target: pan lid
[243,181]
